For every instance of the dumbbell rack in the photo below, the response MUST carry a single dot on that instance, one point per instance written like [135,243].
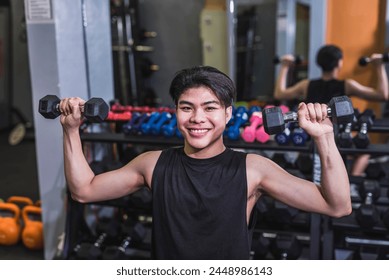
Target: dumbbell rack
[77,230]
[344,233]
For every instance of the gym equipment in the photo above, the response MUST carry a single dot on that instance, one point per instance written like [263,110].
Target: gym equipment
[365,121]
[240,119]
[367,214]
[163,119]
[253,109]
[261,136]
[340,110]
[248,134]
[134,233]
[364,60]
[286,246]
[280,213]
[9,224]
[370,253]
[376,170]
[108,228]
[136,128]
[124,116]
[344,137]
[128,126]
[169,129]
[297,59]
[145,128]
[304,163]
[299,136]
[32,234]
[94,110]
[20,201]
[260,247]
[19,131]
[283,137]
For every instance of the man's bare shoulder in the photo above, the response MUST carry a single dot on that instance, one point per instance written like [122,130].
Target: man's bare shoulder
[146,159]
[257,161]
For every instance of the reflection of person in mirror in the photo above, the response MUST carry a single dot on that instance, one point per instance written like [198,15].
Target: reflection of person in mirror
[330,59]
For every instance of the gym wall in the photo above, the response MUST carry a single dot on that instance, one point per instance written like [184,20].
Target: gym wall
[359,29]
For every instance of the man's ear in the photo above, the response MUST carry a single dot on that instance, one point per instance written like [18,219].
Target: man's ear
[228,114]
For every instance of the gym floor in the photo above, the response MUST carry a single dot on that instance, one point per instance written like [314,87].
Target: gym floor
[18,177]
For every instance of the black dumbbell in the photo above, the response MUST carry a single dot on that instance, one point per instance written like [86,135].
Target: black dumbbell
[376,170]
[286,246]
[345,139]
[280,213]
[365,121]
[364,60]
[93,251]
[260,247]
[134,232]
[340,110]
[297,59]
[304,163]
[94,110]
[367,214]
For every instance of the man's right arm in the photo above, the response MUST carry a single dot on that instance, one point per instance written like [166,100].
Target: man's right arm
[281,91]
[83,184]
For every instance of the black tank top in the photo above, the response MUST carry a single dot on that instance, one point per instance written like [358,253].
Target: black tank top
[199,206]
[322,91]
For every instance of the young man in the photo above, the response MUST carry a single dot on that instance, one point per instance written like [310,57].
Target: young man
[204,192]
[330,59]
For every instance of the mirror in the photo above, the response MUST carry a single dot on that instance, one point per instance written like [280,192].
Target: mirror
[265,29]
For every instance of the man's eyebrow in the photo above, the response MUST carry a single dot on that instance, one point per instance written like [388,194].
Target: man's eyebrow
[202,104]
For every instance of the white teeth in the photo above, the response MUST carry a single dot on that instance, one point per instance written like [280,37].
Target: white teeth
[198,130]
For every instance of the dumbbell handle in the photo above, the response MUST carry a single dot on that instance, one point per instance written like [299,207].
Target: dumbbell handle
[364,60]
[125,243]
[369,199]
[293,117]
[100,240]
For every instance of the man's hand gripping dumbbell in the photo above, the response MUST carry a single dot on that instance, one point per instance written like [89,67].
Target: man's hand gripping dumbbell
[94,110]
[313,118]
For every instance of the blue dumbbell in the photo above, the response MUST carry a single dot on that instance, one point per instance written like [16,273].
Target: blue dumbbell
[136,128]
[240,119]
[146,126]
[163,118]
[230,122]
[253,109]
[283,138]
[299,137]
[127,128]
[169,129]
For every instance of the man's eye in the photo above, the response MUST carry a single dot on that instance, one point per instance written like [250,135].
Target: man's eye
[209,109]
[185,108]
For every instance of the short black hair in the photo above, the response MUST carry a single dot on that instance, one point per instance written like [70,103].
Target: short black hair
[328,57]
[206,76]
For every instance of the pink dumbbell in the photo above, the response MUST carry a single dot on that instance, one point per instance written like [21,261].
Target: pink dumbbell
[248,134]
[261,136]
